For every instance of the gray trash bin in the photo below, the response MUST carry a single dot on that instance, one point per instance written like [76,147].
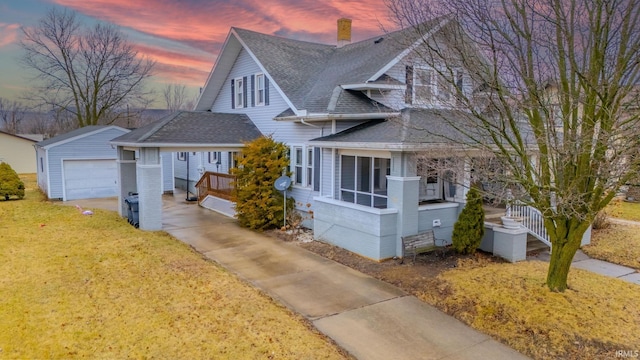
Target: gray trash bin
[132,210]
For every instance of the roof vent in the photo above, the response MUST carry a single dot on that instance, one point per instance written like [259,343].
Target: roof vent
[344,32]
[379,41]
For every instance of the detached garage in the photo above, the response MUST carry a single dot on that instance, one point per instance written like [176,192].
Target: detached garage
[80,164]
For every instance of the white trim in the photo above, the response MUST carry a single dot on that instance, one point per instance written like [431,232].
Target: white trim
[80,136]
[438,206]
[368,209]
[325,117]
[374,86]
[242,87]
[403,178]
[256,90]
[369,153]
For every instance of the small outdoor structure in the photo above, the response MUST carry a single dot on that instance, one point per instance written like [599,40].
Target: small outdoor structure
[17,151]
[82,164]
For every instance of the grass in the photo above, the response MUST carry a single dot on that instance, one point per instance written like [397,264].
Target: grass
[619,244]
[627,210]
[592,320]
[77,286]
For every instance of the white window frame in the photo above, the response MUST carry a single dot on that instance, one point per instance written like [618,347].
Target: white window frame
[419,83]
[441,91]
[260,94]
[238,92]
[377,184]
[182,156]
[297,165]
[440,189]
[309,167]
[214,157]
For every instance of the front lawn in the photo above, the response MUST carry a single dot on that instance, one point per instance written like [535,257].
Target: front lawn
[593,319]
[92,286]
[619,244]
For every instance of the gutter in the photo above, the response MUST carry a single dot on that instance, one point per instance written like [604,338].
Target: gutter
[325,117]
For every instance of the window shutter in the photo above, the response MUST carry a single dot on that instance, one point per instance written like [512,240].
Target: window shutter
[233,95]
[244,91]
[316,169]
[408,94]
[266,90]
[253,90]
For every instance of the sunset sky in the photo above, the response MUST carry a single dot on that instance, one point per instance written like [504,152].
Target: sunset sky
[184,37]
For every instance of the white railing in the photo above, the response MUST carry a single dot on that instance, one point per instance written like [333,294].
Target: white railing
[532,219]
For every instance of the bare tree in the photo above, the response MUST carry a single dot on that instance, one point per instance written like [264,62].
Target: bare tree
[175,96]
[91,73]
[549,89]
[12,115]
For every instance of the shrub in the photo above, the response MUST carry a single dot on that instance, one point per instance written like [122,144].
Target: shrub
[469,229]
[259,205]
[10,183]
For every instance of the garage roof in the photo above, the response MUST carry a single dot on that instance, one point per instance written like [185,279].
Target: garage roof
[192,128]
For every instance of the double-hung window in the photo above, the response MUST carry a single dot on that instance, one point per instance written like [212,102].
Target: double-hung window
[424,86]
[259,89]
[239,93]
[214,157]
[298,163]
[363,180]
[182,156]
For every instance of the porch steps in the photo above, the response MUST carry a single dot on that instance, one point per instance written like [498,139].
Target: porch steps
[535,246]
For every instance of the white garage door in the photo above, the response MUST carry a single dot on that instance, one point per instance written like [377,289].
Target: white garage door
[88,179]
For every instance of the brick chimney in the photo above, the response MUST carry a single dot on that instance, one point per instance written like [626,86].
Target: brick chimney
[344,32]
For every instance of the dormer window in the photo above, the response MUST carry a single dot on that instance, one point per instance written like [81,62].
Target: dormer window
[426,86]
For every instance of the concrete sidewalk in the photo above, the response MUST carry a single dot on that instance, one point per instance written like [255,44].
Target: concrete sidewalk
[583,261]
[368,318]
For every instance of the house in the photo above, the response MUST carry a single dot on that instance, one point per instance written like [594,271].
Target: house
[17,151]
[81,164]
[358,118]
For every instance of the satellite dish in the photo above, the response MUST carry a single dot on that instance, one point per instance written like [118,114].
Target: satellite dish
[282,183]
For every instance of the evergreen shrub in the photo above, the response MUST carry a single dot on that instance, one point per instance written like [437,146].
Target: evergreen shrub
[259,205]
[10,183]
[469,228]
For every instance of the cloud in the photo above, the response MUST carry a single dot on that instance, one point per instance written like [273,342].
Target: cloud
[201,26]
[8,34]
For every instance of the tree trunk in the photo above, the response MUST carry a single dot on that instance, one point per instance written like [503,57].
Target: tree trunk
[562,254]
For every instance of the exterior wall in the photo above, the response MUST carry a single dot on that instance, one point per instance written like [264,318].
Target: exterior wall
[445,213]
[18,153]
[167,172]
[92,146]
[366,231]
[180,170]
[43,170]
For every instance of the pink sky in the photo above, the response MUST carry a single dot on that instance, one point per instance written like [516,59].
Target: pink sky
[184,37]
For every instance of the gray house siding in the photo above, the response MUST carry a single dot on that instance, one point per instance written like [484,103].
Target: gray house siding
[446,213]
[91,146]
[366,231]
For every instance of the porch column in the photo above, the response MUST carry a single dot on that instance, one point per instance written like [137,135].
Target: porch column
[402,194]
[149,184]
[126,177]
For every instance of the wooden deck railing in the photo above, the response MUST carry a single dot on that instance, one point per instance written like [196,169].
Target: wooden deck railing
[215,184]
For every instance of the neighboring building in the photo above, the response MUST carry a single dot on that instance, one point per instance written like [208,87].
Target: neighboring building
[357,118]
[81,164]
[17,151]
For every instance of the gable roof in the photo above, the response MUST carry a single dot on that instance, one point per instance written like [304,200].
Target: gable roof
[309,75]
[21,137]
[77,133]
[189,129]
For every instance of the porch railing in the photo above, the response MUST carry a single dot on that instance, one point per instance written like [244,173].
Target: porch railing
[215,184]
[532,219]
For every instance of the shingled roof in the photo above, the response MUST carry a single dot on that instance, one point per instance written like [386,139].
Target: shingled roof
[413,128]
[191,129]
[311,74]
